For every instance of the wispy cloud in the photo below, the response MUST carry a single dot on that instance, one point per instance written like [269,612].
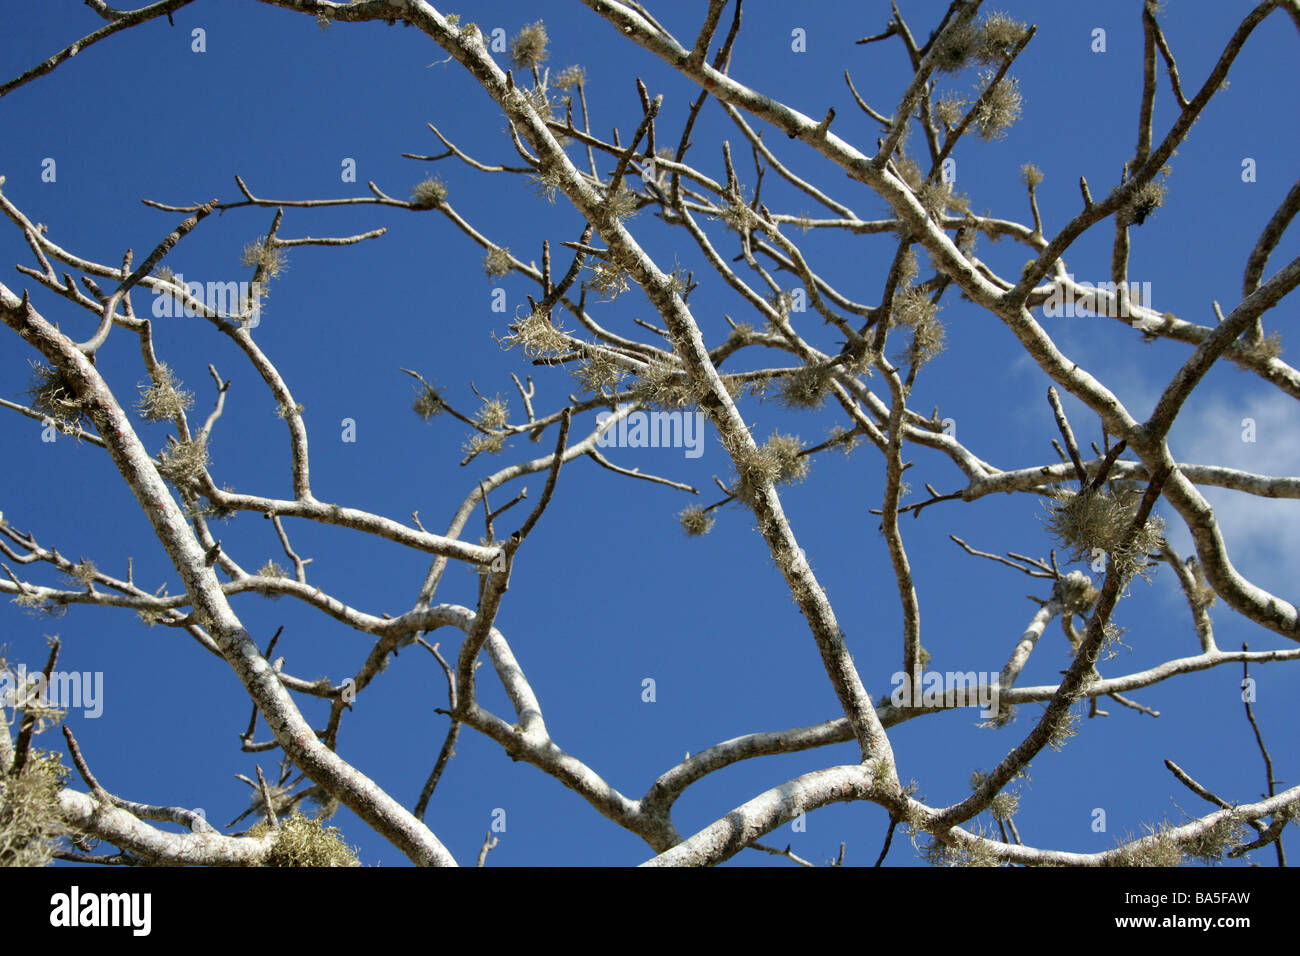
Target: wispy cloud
[1261,533]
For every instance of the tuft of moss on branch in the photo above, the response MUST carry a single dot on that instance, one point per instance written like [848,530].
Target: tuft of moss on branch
[164,398]
[478,443]
[493,414]
[428,403]
[949,109]
[84,573]
[528,48]
[303,842]
[695,521]
[1265,349]
[780,461]
[938,853]
[272,570]
[1000,109]
[52,395]
[31,823]
[914,311]
[956,48]
[1162,851]
[598,373]
[497,263]
[182,463]
[609,280]
[1145,200]
[807,387]
[265,255]
[428,193]
[1098,519]
[998,36]
[570,77]
[537,337]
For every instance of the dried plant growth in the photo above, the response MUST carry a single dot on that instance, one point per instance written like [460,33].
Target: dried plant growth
[164,399]
[863,282]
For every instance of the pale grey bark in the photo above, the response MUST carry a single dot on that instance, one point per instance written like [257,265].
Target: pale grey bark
[686,196]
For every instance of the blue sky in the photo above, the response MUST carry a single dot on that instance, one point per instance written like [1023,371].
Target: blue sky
[608,591]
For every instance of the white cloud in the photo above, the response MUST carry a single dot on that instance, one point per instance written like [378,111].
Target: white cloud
[1261,533]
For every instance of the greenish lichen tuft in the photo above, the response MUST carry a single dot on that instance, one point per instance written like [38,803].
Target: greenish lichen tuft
[779,461]
[428,403]
[265,255]
[31,823]
[497,263]
[52,394]
[570,77]
[537,337]
[163,399]
[1099,519]
[493,414]
[695,521]
[303,842]
[528,48]
[183,462]
[1000,109]
[428,193]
